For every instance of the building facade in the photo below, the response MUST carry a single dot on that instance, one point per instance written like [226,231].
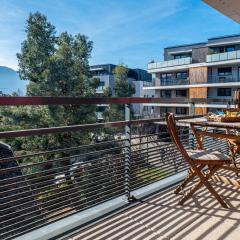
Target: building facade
[202,70]
[138,77]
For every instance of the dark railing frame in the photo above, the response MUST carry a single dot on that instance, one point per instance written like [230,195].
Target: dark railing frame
[38,101]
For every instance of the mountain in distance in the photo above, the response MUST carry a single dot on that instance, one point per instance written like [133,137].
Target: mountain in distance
[10,81]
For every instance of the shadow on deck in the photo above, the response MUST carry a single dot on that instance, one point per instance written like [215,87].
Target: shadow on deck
[159,217]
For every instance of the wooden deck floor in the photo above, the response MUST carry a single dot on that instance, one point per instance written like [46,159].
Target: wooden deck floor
[160,217]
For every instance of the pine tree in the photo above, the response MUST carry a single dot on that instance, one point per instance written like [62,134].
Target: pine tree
[54,65]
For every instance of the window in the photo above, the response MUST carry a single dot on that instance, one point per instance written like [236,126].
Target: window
[166,76]
[182,75]
[224,71]
[101,84]
[100,73]
[181,111]
[230,49]
[223,49]
[224,92]
[165,110]
[166,93]
[181,93]
[177,56]
[184,55]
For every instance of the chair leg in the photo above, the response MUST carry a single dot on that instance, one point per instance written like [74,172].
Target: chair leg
[210,188]
[234,149]
[190,194]
[188,179]
[215,194]
[204,181]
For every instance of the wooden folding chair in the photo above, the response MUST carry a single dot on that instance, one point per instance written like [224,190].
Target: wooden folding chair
[197,160]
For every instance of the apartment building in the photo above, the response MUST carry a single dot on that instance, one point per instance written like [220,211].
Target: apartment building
[138,77]
[201,70]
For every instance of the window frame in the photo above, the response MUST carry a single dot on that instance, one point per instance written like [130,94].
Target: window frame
[224,73]
[181,108]
[165,95]
[183,75]
[181,91]
[223,94]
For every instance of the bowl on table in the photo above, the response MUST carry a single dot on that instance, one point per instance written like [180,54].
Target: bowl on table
[224,116]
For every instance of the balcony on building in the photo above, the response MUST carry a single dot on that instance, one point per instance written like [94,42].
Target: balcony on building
[226,56]
[222,79]
[170,63]
[174,81]
[223,53]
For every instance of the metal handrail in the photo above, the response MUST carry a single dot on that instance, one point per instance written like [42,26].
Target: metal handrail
[53,184]
[39,101]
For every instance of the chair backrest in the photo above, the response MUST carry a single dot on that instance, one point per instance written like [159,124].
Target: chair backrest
[172,129]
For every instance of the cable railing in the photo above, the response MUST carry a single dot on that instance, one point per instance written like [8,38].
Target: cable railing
[40,187]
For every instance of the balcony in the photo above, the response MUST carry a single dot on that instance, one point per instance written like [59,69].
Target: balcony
[170,63]
[213,81]
[50,193]
[149,83]
[174,81]
[223,56]
[222,79]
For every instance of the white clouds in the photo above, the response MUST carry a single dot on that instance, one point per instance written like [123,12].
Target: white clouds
[134,26]
[113,25]
[139,26]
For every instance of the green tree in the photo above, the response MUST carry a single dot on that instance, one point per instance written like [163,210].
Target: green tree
[54,65]
[107,92]
[39,46]
[123,88]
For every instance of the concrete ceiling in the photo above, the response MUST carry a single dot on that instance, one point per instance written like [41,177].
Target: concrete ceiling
[230,8]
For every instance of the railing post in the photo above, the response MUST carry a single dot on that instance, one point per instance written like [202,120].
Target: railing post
[228,104]
[192,108]
[127,162]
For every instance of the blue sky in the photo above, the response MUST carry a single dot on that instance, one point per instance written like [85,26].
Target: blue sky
[127,31]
